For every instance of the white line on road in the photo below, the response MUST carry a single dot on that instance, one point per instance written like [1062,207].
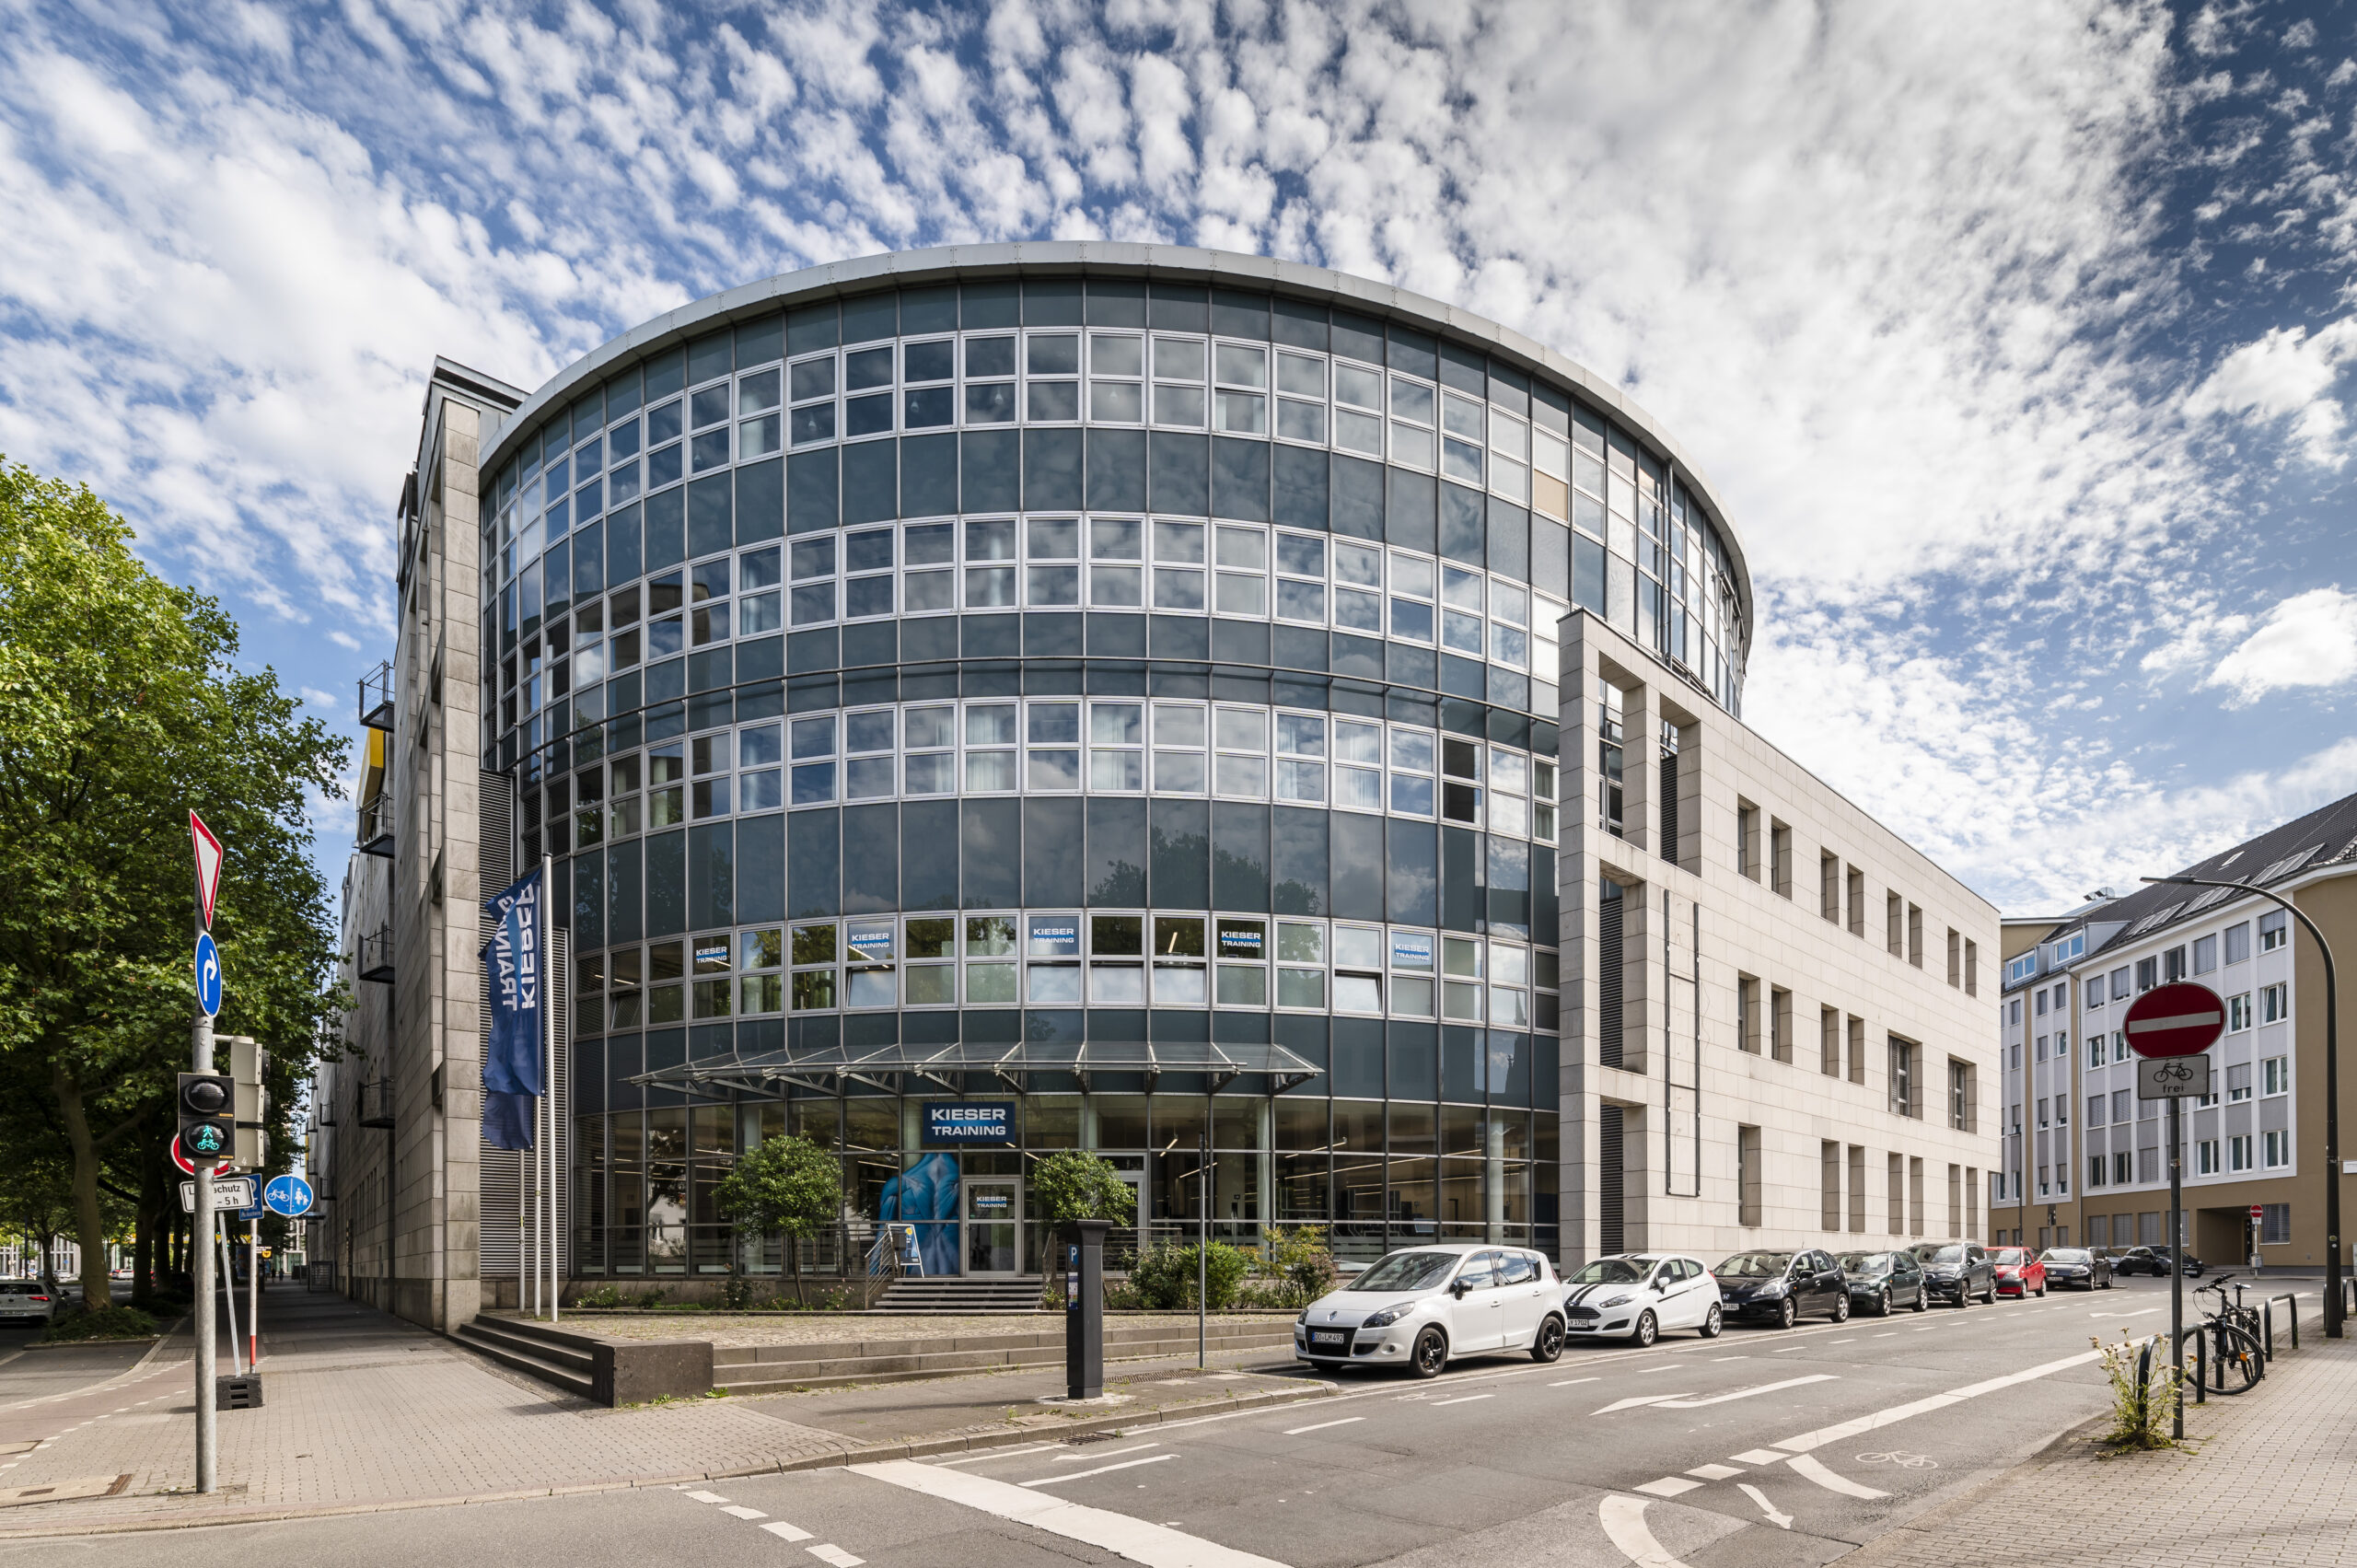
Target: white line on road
[1640,1399]
[1805,1465]
[1298,1431]
[834,1555]
[1681,1402]
[1668,1486]
[741,1512]
[1809,1440]
[1101,1470]
[1782,1521]
[1107,1454]
[1156,1546]
[2137,1313]
[1467,1399]
[785,1531]
[695,1497]
[1787,1349]
[1569,1381]
[1714,1472]
[1760,1457]
[993,1454]
[1624,1522]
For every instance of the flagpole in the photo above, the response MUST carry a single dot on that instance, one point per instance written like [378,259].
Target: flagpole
[548,1069]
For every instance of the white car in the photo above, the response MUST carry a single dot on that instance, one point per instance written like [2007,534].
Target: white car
[1641,1293]
[1425,1306]
[24,1301]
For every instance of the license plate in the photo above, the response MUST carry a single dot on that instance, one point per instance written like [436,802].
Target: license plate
[1326,1337]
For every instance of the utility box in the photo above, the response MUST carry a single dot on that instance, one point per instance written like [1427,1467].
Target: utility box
[248,1066]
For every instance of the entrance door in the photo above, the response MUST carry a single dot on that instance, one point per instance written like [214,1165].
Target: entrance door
[993,1216]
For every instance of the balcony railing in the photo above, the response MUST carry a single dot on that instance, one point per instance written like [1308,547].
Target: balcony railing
[376,1102]
[376,835]
[373,961]
[376,698]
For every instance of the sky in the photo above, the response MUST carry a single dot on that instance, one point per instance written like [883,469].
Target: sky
[2018,342]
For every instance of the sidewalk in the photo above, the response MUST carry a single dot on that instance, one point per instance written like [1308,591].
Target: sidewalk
[2273,1480]
[365,1412]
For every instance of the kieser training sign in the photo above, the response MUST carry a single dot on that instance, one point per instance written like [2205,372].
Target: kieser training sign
[964,1123]
[511,1066]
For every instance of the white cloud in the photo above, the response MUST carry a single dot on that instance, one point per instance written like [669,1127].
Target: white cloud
[2309,640]
[2287,374]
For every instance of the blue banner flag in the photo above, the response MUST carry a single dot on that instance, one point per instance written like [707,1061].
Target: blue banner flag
[513,963]
[506,1120]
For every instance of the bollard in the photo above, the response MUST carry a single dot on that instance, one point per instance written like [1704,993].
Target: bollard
[2144,1384]
[2200,1368]
[2267,1327]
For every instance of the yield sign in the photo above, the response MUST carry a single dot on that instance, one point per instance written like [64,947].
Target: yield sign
[208,866]
[2177,1019]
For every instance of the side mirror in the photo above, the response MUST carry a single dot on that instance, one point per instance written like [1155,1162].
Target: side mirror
[1459,1288]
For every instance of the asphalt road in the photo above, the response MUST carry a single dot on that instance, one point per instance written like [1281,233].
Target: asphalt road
[1760,1448]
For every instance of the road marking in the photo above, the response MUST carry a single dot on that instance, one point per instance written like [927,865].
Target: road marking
[1298,1431]
[1632,1404]
[1714,1472]
[1107,1454]
[1760,1457]
[1624,1522]
[1787,1349]
[1101,1470]
[740,1511]
[1782,1521]
[994,1454]
[1684,1403]
[1671,1367]
[1849,1341]
[1668,1486]
[2137,1313]
[785,1531]
[835,1555]
[1891,1335]
[1720,1360]
[1569,1381]
[1467,1399]
[706,1497]
[1156,1546]
[1805,1465]
[1809,1440]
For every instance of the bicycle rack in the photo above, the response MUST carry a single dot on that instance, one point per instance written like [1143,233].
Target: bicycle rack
[2293,1312]
[2201,1367]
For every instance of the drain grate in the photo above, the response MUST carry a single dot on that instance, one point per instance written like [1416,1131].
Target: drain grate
[1076,1439]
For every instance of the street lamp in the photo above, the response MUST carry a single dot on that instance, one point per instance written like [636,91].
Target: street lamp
[2333,1304]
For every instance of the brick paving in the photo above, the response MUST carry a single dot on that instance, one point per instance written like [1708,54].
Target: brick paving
[2270,1479]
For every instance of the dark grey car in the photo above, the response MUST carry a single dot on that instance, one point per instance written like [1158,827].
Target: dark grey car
[2076,1268]
[1782,1287]
[1957,1270]
[1880,1281]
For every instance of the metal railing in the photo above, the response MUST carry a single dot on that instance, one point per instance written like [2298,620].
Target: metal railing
[376,698]
[373,960]
[376,1102]
[375,835]
[885,1268]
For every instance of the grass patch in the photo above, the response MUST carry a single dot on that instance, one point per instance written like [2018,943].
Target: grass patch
[2144,1391]
[106,1323]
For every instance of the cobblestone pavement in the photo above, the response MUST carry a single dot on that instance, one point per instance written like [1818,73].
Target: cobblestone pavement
[2268,1478]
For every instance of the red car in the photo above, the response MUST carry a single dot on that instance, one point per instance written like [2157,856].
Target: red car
[2018,1271]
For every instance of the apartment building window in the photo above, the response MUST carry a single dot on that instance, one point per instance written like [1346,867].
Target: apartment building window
[1829,1179]
[2172,965]
[2238,1083]
[2122,1167]
[2238,1153]
[1857,891]
[1914,1196]
[1956,957]
[1780,858]
[2205,1158]
[2274,1150]
[2275,1076]
[1971,967]
[1894,1180]
[1905,1093]
[1857,1190]
[2094,1170]
[1780,1025]
[1964,1095]
[1915,936]
[2238,942]
[2148,973]
[2274,1002]
[2274,930]
[2275,1223]
[1955,1201]
[1894,921]
[1829,887]
[2205,954]
[1746,1175]
[1857,1051]
[1829,1041]
[1747,839]
[2042,1103]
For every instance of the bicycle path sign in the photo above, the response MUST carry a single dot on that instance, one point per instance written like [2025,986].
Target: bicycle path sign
[2177,1019]
[2173,1077]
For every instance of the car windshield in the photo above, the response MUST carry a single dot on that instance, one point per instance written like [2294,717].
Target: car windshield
[2066,1255]
[1867,1263]
[2009,1256]
[1754,1266]
[1408,1270]
[1945,1255]
[1613,1272]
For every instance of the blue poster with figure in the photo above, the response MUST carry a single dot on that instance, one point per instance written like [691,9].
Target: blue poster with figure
[926,1195]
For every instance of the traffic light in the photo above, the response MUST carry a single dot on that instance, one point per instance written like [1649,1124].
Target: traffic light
[208,1116]
[248,1066]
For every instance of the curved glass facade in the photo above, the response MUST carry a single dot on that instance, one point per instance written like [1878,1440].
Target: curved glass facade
[1068,658]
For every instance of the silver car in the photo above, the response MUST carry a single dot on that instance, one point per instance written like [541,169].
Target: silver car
[1638,1294]
[1425,1306]
[23,1301]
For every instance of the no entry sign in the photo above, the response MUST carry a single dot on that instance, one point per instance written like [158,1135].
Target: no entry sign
[2179,1020]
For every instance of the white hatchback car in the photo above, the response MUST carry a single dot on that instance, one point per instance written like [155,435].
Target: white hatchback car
[1641,1294]
[1425,1306]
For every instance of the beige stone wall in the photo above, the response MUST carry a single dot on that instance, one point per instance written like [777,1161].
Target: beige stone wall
[1697,926]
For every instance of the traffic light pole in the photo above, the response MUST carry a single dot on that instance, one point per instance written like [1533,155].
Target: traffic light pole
[200,1256]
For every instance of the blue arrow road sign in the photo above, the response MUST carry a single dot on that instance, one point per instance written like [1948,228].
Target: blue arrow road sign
[208,974]
[288,1195]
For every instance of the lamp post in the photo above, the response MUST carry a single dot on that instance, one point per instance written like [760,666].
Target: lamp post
[2333,1304]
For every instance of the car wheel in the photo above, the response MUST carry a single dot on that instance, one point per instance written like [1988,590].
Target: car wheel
[1923,1299]
[1549,1343]
[1646,1331]
[1431,1355]
[2041,1293]
[1713,1322]
[1989,1297]
[1841,1313]
[1787,1314]
[1882,1302]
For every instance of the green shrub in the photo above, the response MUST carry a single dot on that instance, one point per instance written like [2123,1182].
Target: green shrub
[1164,1275]
[2142,1408]
[604,1295]
[106,1323]
[1300,1260]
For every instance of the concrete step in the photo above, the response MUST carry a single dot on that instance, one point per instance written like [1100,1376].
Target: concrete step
[562,1366]
[780,1368]
[956,1295]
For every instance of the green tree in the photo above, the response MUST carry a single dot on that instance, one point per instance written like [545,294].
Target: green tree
[1074,1185]
[124,708]
[788,1185]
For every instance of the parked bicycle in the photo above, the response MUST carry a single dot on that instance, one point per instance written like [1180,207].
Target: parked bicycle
[2233,1350]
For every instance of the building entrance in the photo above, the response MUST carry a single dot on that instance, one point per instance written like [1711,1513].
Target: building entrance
[992,1213]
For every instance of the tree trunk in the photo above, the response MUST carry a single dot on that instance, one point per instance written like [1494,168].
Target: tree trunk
[150,1216]
[793,1261]
[89,1223]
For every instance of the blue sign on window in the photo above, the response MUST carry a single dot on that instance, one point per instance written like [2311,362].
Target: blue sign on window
[1055,936]
[950,1125]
